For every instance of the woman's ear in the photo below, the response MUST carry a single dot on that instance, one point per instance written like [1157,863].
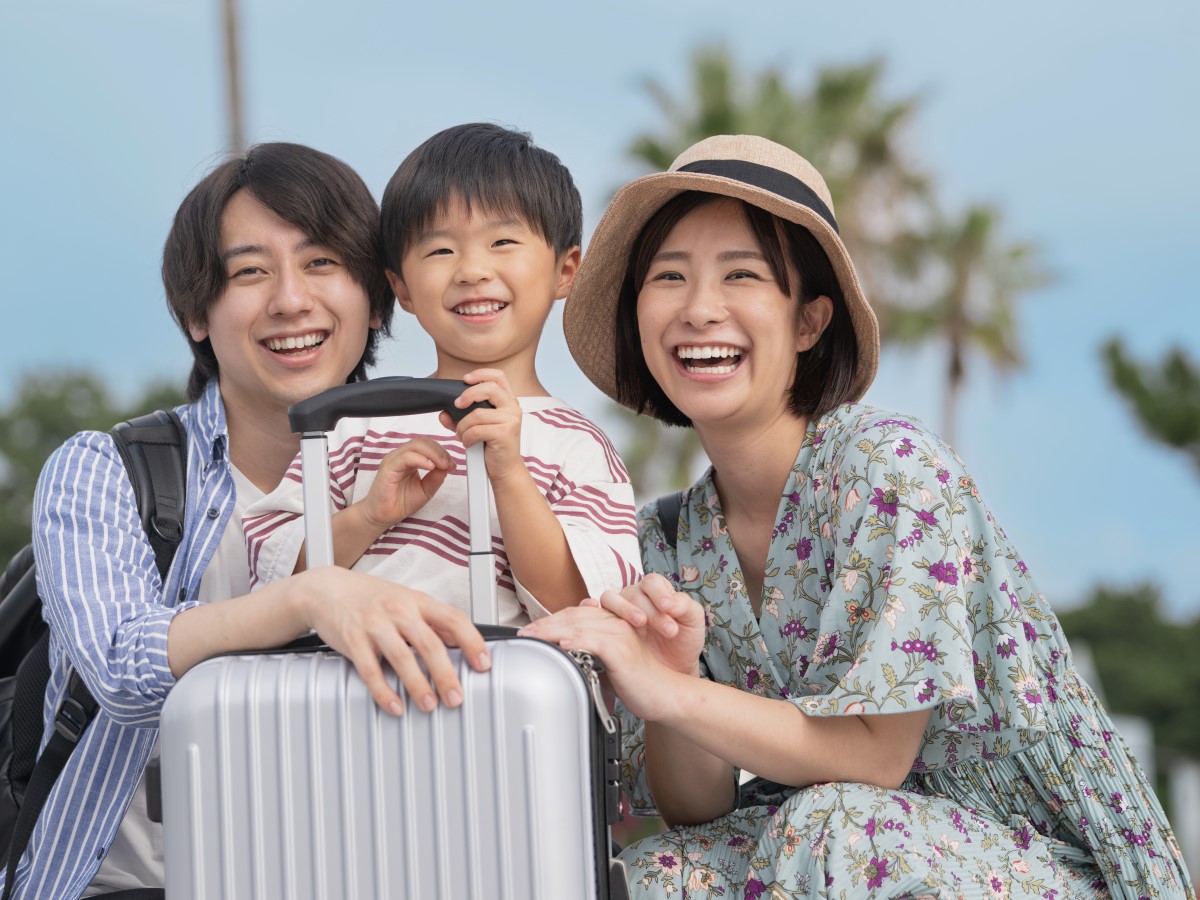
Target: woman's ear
[198,332]
[400,290]
[815,317]
[568,265]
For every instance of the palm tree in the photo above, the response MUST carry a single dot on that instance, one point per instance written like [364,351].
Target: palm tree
[1165,396]
[233,76]
[968,280]
[843,127]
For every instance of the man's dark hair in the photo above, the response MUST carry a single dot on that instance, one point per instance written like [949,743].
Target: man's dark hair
[824,373]
[484,167]
[317,193]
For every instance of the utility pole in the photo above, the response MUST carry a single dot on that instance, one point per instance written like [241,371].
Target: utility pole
[233,77]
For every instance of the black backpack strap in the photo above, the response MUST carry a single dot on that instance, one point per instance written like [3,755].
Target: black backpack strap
[154,450]
[669,507]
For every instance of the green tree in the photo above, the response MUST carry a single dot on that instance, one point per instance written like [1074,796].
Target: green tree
[45,410]
[1144,660]
[971,279]
[1164,396]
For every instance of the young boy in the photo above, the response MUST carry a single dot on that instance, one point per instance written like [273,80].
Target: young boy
[481,233]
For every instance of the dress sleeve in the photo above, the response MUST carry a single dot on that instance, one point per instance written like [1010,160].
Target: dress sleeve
[96,575]
[920,612]
[592,498]
[274,524]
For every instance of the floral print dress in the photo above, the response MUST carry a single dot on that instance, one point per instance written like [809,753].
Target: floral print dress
[889,588]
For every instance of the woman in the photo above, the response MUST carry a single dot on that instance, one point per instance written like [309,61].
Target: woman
[852,624]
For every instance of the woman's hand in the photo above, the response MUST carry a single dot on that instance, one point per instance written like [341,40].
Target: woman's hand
[366,618]
[670,622]
[640,663]
[399,489]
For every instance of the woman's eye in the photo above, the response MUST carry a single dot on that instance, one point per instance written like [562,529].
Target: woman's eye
[666,276]
[742,273]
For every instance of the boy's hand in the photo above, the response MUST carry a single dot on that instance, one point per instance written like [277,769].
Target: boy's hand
[399,490]
[498,428]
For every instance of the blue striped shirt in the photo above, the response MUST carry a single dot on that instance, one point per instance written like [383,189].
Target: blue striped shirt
[109,612]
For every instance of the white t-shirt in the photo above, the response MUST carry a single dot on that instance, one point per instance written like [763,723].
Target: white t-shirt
[572,462]
[135,858]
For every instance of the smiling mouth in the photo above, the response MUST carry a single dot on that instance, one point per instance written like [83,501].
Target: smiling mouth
[480,308]
[296,344]
[709,360]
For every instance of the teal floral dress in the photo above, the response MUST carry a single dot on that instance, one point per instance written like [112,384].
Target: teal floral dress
[889,588]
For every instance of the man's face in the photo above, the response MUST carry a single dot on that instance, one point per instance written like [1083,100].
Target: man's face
[291,321]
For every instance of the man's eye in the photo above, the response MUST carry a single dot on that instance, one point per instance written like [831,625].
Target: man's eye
[246,271]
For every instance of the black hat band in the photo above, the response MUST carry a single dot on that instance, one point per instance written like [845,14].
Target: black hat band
[765,178]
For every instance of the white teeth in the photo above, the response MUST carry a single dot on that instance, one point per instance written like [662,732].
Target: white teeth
[707,352]
[296,342]
[481,308]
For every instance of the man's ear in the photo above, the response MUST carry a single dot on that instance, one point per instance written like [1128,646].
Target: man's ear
[815,317]
[568,266]
[400,290]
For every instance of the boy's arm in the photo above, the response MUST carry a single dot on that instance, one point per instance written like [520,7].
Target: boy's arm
[582,538]
[538,552]
[397,491]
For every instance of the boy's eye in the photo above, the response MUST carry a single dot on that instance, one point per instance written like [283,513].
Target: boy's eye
[502,242]
[439,251]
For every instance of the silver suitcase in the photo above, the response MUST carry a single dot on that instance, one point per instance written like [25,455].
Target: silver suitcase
[281,778]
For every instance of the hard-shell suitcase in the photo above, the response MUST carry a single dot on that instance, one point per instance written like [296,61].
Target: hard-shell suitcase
[281,777]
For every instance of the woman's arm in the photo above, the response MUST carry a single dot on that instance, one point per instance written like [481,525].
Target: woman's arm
[697,730]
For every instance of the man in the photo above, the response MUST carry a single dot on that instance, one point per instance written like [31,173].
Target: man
[272,271]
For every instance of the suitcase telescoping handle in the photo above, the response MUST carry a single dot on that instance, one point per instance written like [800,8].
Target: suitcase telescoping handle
[391,396]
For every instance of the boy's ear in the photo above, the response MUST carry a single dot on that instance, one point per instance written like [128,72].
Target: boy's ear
[815,317]
[400,290]
[568,265]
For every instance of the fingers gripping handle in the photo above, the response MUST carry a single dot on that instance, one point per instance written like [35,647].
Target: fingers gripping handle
[396,395]
[392,396]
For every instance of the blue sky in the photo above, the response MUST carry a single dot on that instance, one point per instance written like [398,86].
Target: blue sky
[1077,120]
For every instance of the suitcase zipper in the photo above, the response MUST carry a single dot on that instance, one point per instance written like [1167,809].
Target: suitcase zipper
[591,674]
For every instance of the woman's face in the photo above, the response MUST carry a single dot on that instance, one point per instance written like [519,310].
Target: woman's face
[718,334]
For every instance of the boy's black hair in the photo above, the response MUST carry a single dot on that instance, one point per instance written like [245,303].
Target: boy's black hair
[485,167]
[824,373]
[317,193]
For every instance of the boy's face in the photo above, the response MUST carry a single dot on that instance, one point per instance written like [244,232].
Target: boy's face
[482,285]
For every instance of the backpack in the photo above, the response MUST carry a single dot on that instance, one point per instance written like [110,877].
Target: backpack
[154,450]
[668,507]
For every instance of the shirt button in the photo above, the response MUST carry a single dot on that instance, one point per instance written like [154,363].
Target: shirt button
[213,512]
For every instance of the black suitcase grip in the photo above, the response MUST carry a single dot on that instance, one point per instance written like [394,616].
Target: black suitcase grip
[394,395]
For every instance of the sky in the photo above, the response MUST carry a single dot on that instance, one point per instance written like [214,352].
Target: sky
[1077,120]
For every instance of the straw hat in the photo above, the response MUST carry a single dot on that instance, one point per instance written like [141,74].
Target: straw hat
[746,167]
